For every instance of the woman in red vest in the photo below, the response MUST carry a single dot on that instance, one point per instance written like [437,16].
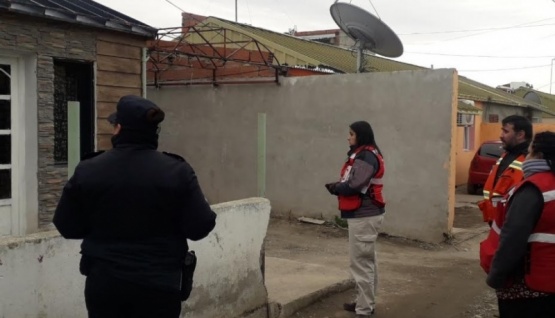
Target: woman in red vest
[523,233]
[361,202]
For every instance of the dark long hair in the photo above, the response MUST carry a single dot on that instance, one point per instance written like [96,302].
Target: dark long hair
[544,143]
[364,134]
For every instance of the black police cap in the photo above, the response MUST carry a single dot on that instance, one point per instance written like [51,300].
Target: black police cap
[137,113]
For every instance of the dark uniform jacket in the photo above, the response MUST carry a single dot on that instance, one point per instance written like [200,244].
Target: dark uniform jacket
[134,207]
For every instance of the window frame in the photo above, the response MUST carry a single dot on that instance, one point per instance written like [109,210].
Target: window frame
[23,205]
[9,206]
[467,144]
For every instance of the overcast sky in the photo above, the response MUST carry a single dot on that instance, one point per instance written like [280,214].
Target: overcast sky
[500,41]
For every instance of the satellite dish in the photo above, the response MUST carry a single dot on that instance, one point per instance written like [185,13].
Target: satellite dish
[368,31]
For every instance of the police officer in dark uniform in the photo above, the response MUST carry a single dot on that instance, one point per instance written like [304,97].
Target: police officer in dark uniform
[134,207]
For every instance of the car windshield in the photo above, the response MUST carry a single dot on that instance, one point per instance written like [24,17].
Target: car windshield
[491,150]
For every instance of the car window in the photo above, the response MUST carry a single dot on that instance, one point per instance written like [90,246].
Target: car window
[491,150]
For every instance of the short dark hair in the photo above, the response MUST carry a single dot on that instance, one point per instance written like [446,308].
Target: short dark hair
[544,143]
[520,123]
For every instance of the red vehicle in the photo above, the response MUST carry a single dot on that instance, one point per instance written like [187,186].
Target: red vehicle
[481,165]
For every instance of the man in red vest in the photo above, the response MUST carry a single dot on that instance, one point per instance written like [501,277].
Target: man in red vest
[516,133]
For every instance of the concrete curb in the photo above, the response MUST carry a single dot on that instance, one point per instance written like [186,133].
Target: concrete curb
[277,310]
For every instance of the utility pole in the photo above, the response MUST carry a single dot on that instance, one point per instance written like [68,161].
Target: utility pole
[235,10]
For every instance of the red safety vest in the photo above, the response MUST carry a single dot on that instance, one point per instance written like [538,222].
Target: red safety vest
[540,261]
[510,177]
[374,189]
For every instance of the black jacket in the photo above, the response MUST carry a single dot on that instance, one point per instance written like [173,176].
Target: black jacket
[134,208]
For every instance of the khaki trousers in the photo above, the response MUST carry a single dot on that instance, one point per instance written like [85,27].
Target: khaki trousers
[363,233]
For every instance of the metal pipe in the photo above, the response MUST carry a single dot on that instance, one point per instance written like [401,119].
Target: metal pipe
[551,74]
[359,58]
[144,56]
[261,171]
[273,81]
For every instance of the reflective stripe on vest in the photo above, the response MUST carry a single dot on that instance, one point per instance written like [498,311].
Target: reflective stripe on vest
[516,165]
[549,196]
[496,228]
[494,194]
[540,268]
[373,181]
[548,238]
[536,237]
[374,187]
[542,238]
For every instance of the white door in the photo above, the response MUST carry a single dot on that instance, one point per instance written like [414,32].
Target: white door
[7,153]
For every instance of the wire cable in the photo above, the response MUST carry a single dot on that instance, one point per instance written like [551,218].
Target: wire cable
[375,9]
[518,25]
[249,10]
[173,4]
[483,29]
[508,69]
[484,56]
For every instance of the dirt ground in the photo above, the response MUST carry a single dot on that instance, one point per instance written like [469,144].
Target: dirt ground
[416,279]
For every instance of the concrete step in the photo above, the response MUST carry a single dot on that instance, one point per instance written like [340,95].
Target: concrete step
[293,285]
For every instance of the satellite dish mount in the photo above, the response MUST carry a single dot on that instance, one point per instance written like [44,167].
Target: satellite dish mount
[368,31]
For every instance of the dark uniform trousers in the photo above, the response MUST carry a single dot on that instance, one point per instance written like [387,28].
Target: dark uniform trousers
[110,297]
[540,307]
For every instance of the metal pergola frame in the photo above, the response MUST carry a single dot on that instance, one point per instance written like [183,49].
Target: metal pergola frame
[171,51]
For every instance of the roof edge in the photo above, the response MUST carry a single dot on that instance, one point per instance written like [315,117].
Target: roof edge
[79,19]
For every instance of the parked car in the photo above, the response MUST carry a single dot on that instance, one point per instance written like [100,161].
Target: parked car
[480,166]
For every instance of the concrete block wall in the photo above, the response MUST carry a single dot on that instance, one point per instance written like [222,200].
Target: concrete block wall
[39,274]
[413,114]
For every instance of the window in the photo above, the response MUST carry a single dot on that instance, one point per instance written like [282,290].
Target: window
[18,146]
[468,138]
[493,118]
[61,83]
[5,135]
[492,150]
[6,153]
[73,81]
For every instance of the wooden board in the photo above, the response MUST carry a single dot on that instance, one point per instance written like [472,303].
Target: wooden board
[103,126]
[118,73]
[104,142]
[118,50]
[104,109]
[126,39]
[113,94]
[117,64]
[118,79]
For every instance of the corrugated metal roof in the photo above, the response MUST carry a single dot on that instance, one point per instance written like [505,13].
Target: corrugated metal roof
[84,12]
[547,100]
[344,60]
[328,55]
[471,89]
[462,106]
